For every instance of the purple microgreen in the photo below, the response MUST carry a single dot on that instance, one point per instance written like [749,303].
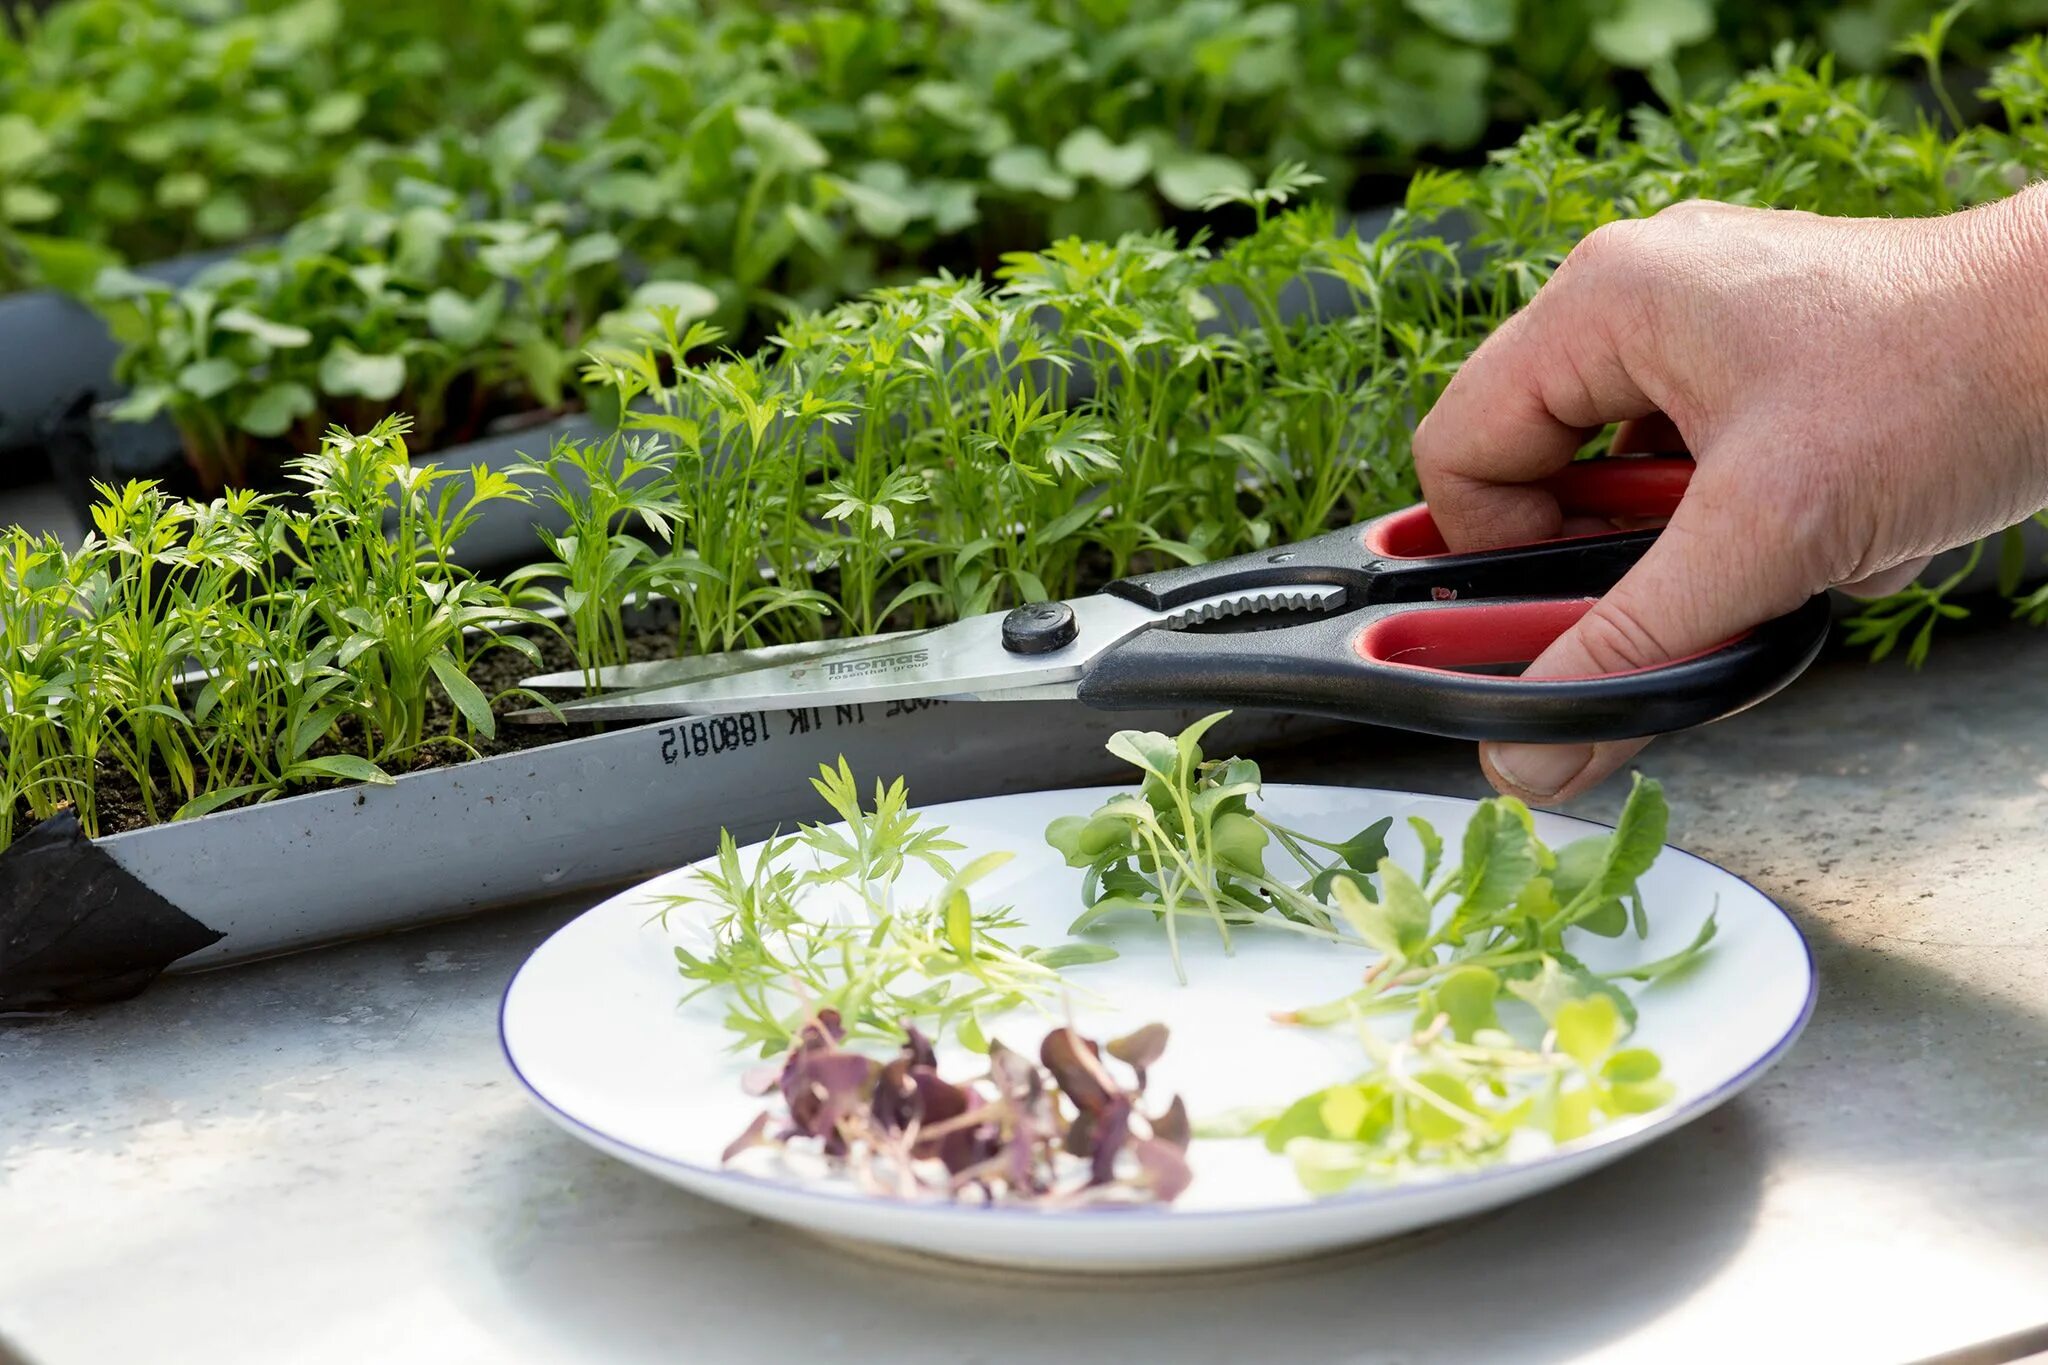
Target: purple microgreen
[1140,1049]
[756,1135]
[1063,1133]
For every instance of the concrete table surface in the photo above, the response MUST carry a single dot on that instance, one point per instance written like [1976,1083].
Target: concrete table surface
[323,1158]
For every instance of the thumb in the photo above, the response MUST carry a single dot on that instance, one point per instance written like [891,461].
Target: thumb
[1714,572]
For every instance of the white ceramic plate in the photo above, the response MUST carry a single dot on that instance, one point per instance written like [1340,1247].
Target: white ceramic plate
[592,1027]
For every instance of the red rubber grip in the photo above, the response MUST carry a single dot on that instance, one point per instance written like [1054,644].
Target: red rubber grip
[1487,634]
[1646,487]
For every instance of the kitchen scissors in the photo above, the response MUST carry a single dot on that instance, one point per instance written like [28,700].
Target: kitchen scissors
[1378,623]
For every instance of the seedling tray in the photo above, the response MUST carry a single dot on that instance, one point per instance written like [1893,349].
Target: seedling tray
[83,920]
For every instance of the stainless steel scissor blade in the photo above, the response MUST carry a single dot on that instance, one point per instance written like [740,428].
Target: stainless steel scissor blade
[965,659]
[648,673]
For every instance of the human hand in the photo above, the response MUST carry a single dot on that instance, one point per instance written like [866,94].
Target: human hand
[1858,394]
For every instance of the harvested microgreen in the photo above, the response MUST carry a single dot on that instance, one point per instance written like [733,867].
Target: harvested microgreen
[1462,1090]
[817,923]
[1467,1082]
[1064,1131]
[1190,842]
[1516,906]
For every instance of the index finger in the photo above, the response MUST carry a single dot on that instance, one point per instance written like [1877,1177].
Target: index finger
[1529,397]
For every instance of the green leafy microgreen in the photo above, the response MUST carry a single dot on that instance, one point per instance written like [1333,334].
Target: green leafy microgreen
[817,923]
[1454,949]
[1190,843]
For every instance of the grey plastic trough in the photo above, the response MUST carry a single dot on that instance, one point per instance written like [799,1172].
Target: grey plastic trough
[601,810]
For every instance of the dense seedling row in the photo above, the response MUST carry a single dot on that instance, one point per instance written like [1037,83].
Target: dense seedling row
[746,161]
[931,450]
[146,128]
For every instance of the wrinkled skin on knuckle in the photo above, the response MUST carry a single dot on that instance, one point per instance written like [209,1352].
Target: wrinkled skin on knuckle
[1607,259]
[1615,639]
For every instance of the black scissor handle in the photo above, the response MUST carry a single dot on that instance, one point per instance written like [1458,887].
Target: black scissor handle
[1400,665]
[1402,558]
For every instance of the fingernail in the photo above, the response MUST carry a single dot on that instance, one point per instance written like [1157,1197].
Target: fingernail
[1541,770]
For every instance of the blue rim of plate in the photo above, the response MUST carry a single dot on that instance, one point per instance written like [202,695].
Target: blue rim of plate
[1673,1118]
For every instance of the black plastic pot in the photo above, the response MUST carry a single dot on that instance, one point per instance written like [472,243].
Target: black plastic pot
[58,362]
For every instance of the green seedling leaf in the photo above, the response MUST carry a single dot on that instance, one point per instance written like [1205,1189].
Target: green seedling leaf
[1087,152]
[953,900]
[335,113]
[224,217]
[1631,1066]
[1468,995]
[1239,843]
[1343,1111]
[467,696]
[1398,923]
[1303,1118]
[1674,964]
[1643,1098]
[1189,181]
[1319,885]
[1500,858]
[1546,990]
[1065,955]
[1585,981]
[1571,1115]
[1579,864]
[1364,850]
[182,189]
[1187,745]
[461,321]
[209,378]
[516,257]
[1587,1028]
[65,263]
[1483,23]
[1643,33]
[593,248]
[780,144]
[224,796]
[1432,848]
[2012,560]
[1029,170]
[21,143]
[1064,834]
[277,335]
[142,404]
[659,303]
[1108,907]
[1147,749]
[1326,1167]
[959,913]
[28,204]
[1631,850]
[346,371]
[346,767]
[273,409]
[1608,921]
[1444,1110]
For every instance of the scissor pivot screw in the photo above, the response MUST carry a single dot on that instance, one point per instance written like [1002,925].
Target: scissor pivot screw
[1039,628]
